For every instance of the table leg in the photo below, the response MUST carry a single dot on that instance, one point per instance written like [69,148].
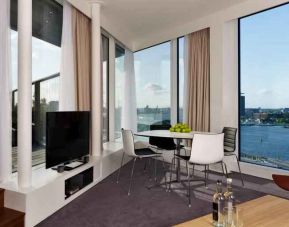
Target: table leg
[178,160]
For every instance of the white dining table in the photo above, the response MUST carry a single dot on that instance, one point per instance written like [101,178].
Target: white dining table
[178,136]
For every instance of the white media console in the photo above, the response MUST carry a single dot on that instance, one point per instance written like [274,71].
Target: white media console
[49,190]
[47,194]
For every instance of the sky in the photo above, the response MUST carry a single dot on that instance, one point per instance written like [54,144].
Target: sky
[152,72]
[119,75]
[46,60]
[265,58]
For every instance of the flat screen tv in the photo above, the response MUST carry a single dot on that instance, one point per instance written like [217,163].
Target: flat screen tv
[67,136]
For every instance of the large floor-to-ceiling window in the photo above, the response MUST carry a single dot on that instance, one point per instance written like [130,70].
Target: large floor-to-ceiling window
[119,76]
[153,85]
[152,72]
[264,94]
[46,57]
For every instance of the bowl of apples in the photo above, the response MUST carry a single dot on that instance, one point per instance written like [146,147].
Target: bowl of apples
[180,127]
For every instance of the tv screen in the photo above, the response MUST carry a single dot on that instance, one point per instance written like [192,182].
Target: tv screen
[67,136]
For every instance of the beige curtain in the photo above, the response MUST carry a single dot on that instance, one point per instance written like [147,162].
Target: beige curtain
[199,81]
[81,26]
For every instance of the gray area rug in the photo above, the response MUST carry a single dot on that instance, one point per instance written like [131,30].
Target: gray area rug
[107,203]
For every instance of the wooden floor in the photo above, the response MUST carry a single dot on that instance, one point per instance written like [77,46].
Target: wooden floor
[9,217]
[38,157]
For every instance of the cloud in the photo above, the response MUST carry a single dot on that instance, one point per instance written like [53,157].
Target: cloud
[155,89]
[265,91]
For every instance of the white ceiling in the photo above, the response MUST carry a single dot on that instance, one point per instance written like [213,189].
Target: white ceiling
[141,18]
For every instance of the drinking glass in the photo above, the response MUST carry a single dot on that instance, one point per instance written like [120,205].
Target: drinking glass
[232,217]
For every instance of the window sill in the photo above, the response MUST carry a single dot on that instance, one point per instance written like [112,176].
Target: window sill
[112,147]
[260,171]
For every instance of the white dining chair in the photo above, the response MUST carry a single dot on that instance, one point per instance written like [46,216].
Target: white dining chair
[206,149]
[130,150]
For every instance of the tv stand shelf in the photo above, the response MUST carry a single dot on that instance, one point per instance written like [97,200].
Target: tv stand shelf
[73,165]
[78,181]
[48,188]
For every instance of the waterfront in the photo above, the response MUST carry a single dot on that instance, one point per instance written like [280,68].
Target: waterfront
[265,145]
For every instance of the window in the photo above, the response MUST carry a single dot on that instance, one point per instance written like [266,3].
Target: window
[264,94]
[105,113]
[152,72]
[46,57]
[181,75]
[119,75]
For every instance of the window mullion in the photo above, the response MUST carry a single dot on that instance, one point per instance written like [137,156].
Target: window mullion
[174,81]
[111,103]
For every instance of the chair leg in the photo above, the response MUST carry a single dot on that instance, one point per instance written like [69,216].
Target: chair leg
[185,152]
[165,175]
[193,169]
[174,159]
[241,175]
[149,169]
[155,169]
[222,164]
[226,170]
[171,174]
[131,175]
[189,186]
[208,171]
[145,165]
[206,176]
[117,179]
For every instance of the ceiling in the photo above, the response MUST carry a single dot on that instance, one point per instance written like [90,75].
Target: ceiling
[140,18]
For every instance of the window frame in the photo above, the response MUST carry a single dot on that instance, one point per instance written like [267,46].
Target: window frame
[178,78]
[239,89]
[174,108]
[172,76]
[54,26]
[103,34]
[239,83]
[117,45]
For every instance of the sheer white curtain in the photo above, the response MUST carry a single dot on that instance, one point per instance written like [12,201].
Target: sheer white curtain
[67,96]
[129,111]
[186,85]
[5,93]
